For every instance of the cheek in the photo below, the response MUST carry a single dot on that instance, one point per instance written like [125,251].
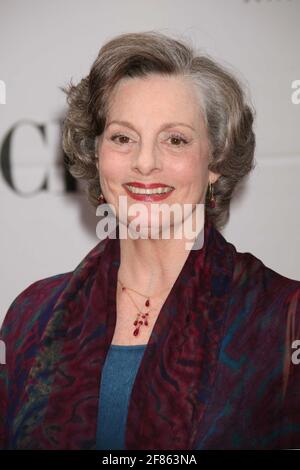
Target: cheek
[110,165]
[191,171]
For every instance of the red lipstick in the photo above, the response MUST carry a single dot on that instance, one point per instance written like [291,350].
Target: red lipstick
[149,185]
[148,197]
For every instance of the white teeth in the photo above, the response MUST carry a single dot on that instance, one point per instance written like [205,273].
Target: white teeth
[135,190]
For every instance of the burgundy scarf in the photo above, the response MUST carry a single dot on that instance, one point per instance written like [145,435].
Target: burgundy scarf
[58,408]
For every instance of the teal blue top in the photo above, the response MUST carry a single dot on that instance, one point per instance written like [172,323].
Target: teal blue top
[117,379]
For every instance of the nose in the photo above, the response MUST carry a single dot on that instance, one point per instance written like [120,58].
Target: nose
[147,158]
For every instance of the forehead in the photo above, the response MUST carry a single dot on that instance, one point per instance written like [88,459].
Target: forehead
[155,96]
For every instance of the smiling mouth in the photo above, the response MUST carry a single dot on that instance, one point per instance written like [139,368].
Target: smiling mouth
[147,191]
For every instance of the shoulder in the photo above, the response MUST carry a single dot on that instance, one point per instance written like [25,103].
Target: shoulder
[32,305]
[263,303]
[251,273]
[266,299]
[31,310]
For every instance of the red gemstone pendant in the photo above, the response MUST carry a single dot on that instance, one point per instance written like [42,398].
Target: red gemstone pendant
[140,322]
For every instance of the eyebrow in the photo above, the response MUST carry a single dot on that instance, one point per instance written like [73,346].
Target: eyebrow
[164,126]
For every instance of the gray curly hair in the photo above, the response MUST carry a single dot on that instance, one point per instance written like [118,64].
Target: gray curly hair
[222,100]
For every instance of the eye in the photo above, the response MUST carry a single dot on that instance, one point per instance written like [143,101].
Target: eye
[178,140]
[123,139]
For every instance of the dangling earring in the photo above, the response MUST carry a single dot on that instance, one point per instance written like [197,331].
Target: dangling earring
[212,201]
[100,198]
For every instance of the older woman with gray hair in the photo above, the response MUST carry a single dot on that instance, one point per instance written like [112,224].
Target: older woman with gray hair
[148,344]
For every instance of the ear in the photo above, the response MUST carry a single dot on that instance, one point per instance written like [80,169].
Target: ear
[213,177]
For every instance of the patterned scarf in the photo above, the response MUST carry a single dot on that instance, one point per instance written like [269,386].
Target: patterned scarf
[57,407]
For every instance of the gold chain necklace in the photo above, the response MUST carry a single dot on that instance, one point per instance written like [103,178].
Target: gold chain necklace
[138,322]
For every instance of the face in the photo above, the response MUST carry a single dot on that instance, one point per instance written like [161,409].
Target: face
[155,134]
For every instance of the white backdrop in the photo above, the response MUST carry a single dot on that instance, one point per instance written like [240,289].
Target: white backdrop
[46,228]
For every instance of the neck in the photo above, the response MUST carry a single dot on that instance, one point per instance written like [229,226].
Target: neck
[150,265]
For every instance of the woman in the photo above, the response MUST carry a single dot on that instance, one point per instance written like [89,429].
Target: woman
[148,345]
